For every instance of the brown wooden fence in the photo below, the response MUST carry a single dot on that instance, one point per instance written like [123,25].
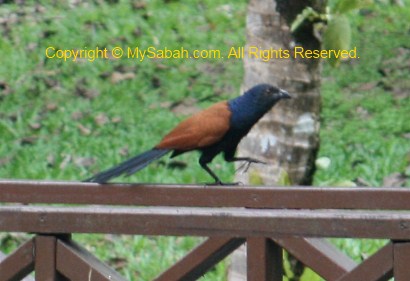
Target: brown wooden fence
[269,219]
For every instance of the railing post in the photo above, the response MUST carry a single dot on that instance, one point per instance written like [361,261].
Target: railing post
[264,260]
[401,256]
[45,259]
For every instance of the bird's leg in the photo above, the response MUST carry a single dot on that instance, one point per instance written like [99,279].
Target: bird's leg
[215,177]
[206,168]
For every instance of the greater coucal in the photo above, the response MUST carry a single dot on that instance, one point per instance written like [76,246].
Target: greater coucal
[216,129]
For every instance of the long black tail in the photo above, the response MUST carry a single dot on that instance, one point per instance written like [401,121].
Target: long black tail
[129,166]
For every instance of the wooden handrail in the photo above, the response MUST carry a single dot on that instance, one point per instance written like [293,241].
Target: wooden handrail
[268,218]
[233,222]
[28,192]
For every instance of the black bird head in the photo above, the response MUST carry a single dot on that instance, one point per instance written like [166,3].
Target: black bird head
[264,96]
[254,103]
[269,93]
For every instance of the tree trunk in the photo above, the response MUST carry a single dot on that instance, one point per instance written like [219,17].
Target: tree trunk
[287,137]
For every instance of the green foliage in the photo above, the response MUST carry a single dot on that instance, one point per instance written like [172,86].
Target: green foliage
[284,179]
[337,36]
[345,6]
[255,178]
[307,14]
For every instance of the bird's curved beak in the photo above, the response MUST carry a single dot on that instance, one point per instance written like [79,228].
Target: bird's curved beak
[284,94]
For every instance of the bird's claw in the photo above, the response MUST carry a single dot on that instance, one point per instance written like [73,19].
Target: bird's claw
[257,161]
[245,166]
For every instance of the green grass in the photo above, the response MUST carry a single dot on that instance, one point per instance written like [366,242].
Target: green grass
[136,101]
[48,115]
[364,122]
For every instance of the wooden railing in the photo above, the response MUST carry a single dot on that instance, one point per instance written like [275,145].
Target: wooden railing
[269,219]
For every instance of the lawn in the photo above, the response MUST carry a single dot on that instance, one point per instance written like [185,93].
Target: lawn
[65,120]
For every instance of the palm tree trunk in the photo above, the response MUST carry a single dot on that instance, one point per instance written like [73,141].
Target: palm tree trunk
[287,137]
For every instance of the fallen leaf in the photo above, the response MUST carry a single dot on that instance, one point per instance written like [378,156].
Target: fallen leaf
[118,263]
[394,180]
[84,130]
[7,23]
[84,161]
[77,115]
[124,151]
[5,160]
[161,66]
[38,8]
[125,68]
[31,46]
[367,86]
[51,160]
[5,89]
[35,126]
[116,119]
[86,93]
[164,104]
[51,106]
[186,107]
[51,82]
[64,163]
[362,112]
[101,119]
[117,77]
[361,182]
[139,5]
[95,25]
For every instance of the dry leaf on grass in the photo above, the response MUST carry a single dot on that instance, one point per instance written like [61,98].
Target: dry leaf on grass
[117,77]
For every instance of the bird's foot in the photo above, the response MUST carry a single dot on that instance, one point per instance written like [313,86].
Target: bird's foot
[247,163]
